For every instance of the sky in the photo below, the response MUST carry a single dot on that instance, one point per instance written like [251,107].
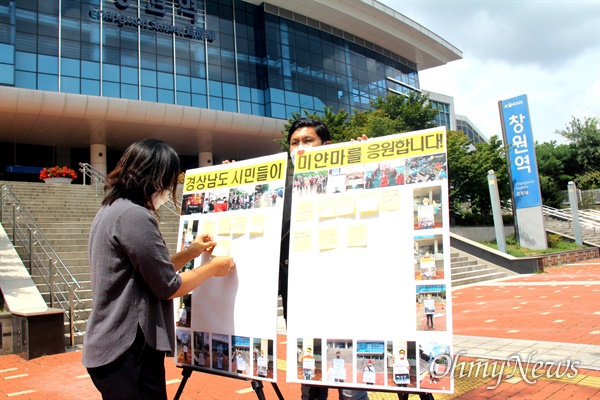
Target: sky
[548,50]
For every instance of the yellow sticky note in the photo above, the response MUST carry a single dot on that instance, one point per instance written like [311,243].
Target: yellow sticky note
[328,239]
[224,226]
[326,207]
[257,223]
[302,240]
[305,211]
[222,247]
[389,200]
[238,226]
[357,235]
[345,205]
[209,227]
[368,202]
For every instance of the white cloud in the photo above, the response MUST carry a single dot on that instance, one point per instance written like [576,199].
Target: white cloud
[548,50]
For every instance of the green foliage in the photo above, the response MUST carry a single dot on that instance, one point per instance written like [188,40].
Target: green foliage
[551,159]
[584,142]
[554,240]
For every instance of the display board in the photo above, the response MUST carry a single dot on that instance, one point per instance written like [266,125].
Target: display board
[369,301]
[229,324]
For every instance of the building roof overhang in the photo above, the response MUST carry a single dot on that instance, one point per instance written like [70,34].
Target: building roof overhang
[73,120]
[379,24]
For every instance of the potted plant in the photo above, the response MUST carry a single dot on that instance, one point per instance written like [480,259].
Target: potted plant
[57,175]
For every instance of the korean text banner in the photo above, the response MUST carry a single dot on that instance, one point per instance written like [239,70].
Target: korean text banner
[369,302]
[518,138]
[229,324]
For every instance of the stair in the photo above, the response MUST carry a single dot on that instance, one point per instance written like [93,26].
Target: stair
[466,270]
[64,214]
[589,234]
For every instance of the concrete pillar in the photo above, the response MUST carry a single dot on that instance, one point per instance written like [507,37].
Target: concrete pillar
[205,158]
[98,157]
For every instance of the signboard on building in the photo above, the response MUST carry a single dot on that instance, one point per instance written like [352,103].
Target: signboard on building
[525,184]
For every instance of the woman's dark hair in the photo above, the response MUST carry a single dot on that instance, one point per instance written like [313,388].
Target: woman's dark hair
[148,166]
[320,128]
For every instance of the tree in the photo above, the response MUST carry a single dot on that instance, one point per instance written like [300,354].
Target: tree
[584,142]
[551,159]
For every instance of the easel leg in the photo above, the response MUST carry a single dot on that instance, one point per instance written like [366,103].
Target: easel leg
[277,391]
[258,388]
[423,396]
[186,372]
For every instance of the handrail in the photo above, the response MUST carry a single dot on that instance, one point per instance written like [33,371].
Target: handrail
[42,255]
[587,218]
[98,179]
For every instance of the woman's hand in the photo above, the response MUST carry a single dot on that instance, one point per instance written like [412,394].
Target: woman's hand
[222,265]
[206,243]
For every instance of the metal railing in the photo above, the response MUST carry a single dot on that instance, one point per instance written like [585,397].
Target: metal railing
[97,179]
[34,248]
[587,218]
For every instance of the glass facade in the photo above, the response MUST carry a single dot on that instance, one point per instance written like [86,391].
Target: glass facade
[221,55]
[443,118]
[470,131]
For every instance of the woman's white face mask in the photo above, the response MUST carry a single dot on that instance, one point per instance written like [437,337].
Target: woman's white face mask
[294,153]
[158,199]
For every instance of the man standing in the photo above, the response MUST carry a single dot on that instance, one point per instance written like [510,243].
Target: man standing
[429,305]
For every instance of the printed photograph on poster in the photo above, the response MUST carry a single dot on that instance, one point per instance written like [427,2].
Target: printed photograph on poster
[427,206]
[189,231]
[263,358]
[220,351]
[434,356]
[183,346]
[241,197]
[429,257]
[370,362]
[310,359]
[402,364]
[425,168]
[339,361]
[184,312]
[431,307]
[380,175]
[345,179]
[192,204]
[311,183]
[240,355]
[201,349]
[268,196]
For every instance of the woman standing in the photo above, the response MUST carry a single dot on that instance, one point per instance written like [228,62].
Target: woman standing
[131,327]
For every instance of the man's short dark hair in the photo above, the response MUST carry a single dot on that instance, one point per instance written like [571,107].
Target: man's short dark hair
[319,126]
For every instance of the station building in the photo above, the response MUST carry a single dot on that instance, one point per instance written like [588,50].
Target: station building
[80,80]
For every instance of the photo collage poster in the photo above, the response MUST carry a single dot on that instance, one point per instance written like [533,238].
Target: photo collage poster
[369,302]
[229,324]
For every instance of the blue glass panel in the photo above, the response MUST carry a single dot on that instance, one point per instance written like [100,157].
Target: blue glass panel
[184,99]
[215,89]
[7,74]
[244,93]
[47,82]
[258,109]
[69,67]
[278,111]
[26,61]
[149,94]
[277,95]
[229,105]
[25,80]
[90,69]
[199,101]
[110,73]
[306,101]
[198,86]
[148,78]
[7,53]
[69,85]
[257,96]
[216,103]
[129,92]
[292,98]
[245,107]
[183,83]
[110,89]
[166,96]
[229,91]
[90,87]
[48,64]
[129,75]
[165,81]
